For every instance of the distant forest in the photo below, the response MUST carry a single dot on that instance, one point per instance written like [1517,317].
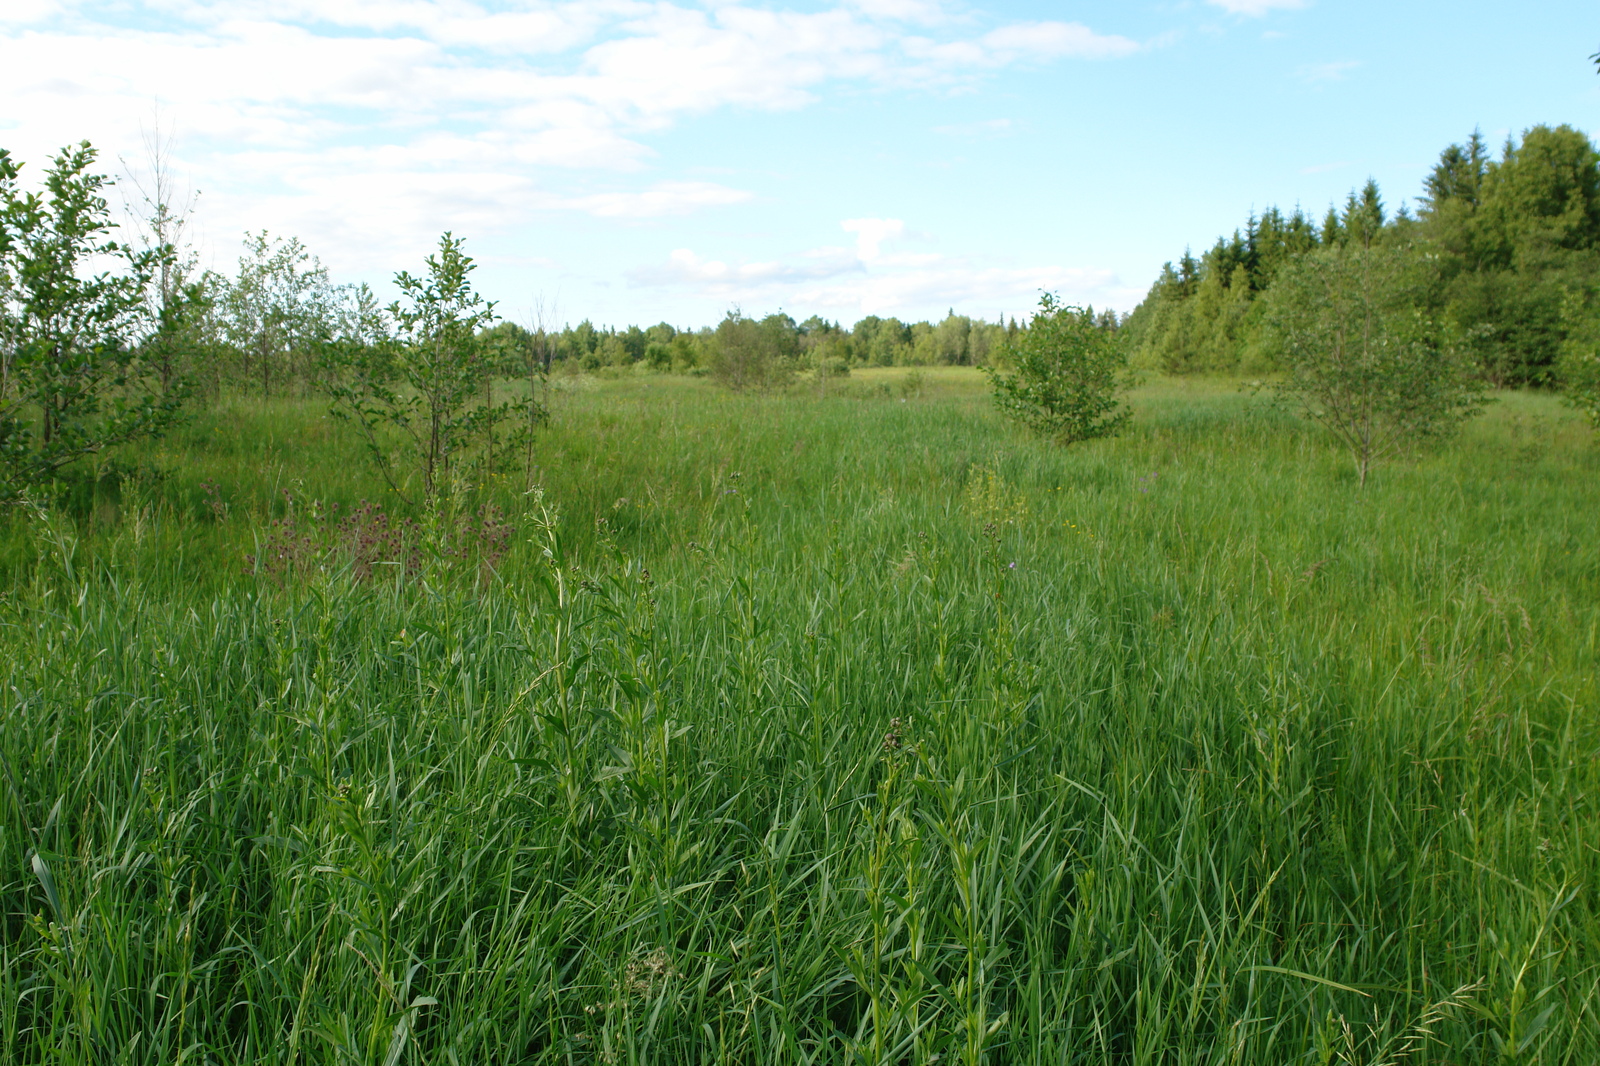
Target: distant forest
[1505,254]
[956,340]
[1504,250]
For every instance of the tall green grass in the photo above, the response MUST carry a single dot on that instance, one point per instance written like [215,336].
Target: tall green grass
[818,729]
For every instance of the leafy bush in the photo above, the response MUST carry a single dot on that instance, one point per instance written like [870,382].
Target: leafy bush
[1581,374]
[1580,356]
[429,383]
[1360,359]
[74,320]
[751,354]
[1065,372]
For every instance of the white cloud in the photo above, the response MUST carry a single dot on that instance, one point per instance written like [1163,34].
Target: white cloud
[931,289]
[926,12]
[869,280]
[681,61]
[1017,42]
[1256,8]
[543,29]
[1322,73]
[22,12]
[367,126]
[666,198]
[871,233]
[1050,40]
[717,278]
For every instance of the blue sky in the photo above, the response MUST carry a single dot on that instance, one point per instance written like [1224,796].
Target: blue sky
[630,161]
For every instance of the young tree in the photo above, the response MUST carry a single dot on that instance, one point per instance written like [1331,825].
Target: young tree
[431,379]
[952,338]
[73,381]
[276,311]
[178,301]
[1065,373]
[1360,358]
[1364,216]
[747,353]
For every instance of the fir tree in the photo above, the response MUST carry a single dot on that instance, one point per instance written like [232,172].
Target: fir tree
[1332,229]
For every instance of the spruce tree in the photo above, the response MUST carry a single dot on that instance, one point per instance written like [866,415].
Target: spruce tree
[1364,215]
[1332,230]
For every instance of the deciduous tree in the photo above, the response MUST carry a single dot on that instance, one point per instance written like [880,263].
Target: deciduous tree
[428,379]
[276,310]
[75,312]
[1358,356]
[1065,371]
[751,354]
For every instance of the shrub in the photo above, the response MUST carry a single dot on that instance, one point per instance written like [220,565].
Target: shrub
[74,321]
[1580,356]
[1581,376]
[1360,358]
[1065,373]
[430,383]
[751,354]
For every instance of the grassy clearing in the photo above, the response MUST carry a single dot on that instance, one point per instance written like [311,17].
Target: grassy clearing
[861,731]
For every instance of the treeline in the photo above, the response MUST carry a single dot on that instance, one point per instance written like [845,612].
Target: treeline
[105,341]
[1503,252]
[263,329]
[956,340]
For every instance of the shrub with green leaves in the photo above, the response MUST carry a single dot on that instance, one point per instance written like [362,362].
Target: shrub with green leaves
[748,353]
[1361,360]
[1582,375]
[1065,371]
[430,383]
[74,320]
[1580,356]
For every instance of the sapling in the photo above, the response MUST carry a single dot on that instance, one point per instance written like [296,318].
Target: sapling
[1360,358]
[1066,370]
[422,371]
[74,315]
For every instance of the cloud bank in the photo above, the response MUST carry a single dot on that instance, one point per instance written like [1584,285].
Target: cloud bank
[367,126]
[878,276]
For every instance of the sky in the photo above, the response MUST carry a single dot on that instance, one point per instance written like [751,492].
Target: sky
[632,162]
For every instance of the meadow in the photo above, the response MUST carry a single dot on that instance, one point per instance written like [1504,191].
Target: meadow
[854,727]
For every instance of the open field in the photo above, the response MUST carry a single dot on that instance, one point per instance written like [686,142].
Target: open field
[861,729]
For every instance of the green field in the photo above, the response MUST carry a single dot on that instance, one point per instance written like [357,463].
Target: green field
[854,727]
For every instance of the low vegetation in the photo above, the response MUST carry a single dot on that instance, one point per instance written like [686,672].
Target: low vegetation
[403,685]
[802,728]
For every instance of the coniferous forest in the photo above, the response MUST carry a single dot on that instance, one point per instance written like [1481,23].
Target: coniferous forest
[1505,253]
